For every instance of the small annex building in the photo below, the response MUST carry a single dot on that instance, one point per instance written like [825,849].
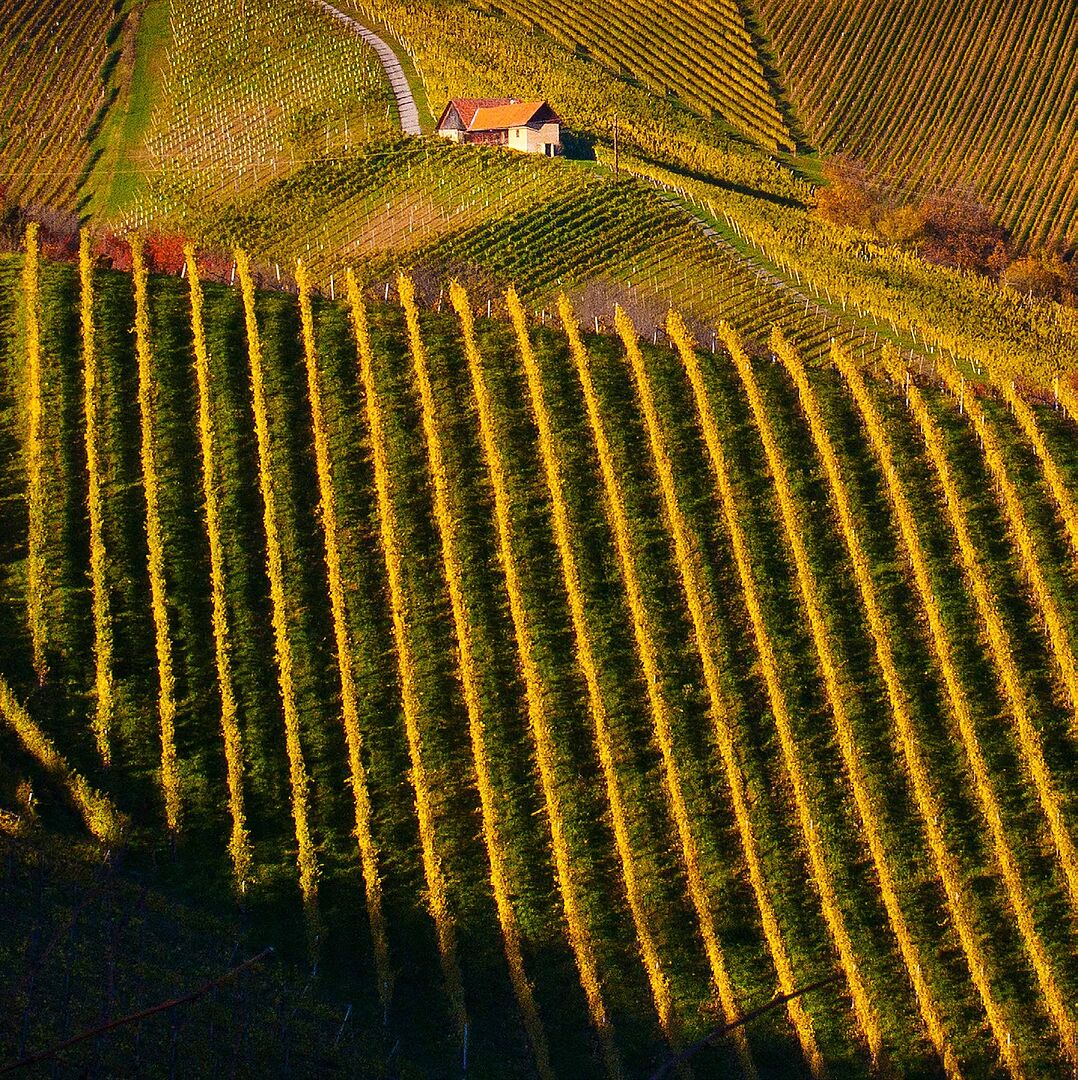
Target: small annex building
[532,127]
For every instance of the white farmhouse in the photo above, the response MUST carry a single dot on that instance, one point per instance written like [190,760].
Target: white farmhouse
[529,126]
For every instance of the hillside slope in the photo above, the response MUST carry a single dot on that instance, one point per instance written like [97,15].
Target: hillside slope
[51,89]
[583,693]
[941,96]
[701,54]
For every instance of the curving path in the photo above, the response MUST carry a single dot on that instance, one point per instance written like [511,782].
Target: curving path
[406,107]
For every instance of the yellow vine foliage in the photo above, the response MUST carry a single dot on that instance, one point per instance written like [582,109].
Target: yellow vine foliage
[1058,637]
[769,662]
[368,850]
[920,773]
[99,814]
[829,664]
[660,988]
[708,643]
[105,706]
[239,846]
[1027,419]
[36,585]
[645,644]
[470,683]
[437,893]
[821,872]
[306,859]
[1068,398]
[959,705]
[155,543]
[999,641]
[546,754]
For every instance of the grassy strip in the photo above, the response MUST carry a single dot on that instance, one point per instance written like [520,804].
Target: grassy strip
[155,546]
[119,178]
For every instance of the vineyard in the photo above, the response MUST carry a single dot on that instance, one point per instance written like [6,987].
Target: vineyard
[236,110]
[703,55]
[50,97]
[559,696]
[938,96]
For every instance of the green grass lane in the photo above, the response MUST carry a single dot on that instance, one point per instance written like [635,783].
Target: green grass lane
[120,174]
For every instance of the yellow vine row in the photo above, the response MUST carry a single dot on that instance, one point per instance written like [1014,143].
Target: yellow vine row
[579,934]
[1056,484]
[36,587]
[437,893]
[104,706]
[821,872]
[920,773]
[155,543]
[239,846]
[660,989]
[708,644]
[829,666]
[1058,637]
[956,697]
[368,850]
[645,644]
[999,641]
[470,684]
[306,858]
[97,811]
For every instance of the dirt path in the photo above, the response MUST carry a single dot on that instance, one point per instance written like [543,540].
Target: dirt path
[406,107]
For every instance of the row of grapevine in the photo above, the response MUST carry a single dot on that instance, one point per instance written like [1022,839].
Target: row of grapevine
[959,706]
[703,55]
[694,867]
[299,779]
[1000,645]
[155,542]
[937,99]
[49,97]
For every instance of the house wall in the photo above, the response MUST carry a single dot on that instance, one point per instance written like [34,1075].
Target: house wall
[531,140]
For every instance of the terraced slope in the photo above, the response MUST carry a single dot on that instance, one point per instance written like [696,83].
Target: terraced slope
[941,96]
[584,691]
[51,58]
[703,54]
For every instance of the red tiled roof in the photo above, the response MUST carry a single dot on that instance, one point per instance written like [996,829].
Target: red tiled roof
[505,116]
[468,107]
[494,114]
